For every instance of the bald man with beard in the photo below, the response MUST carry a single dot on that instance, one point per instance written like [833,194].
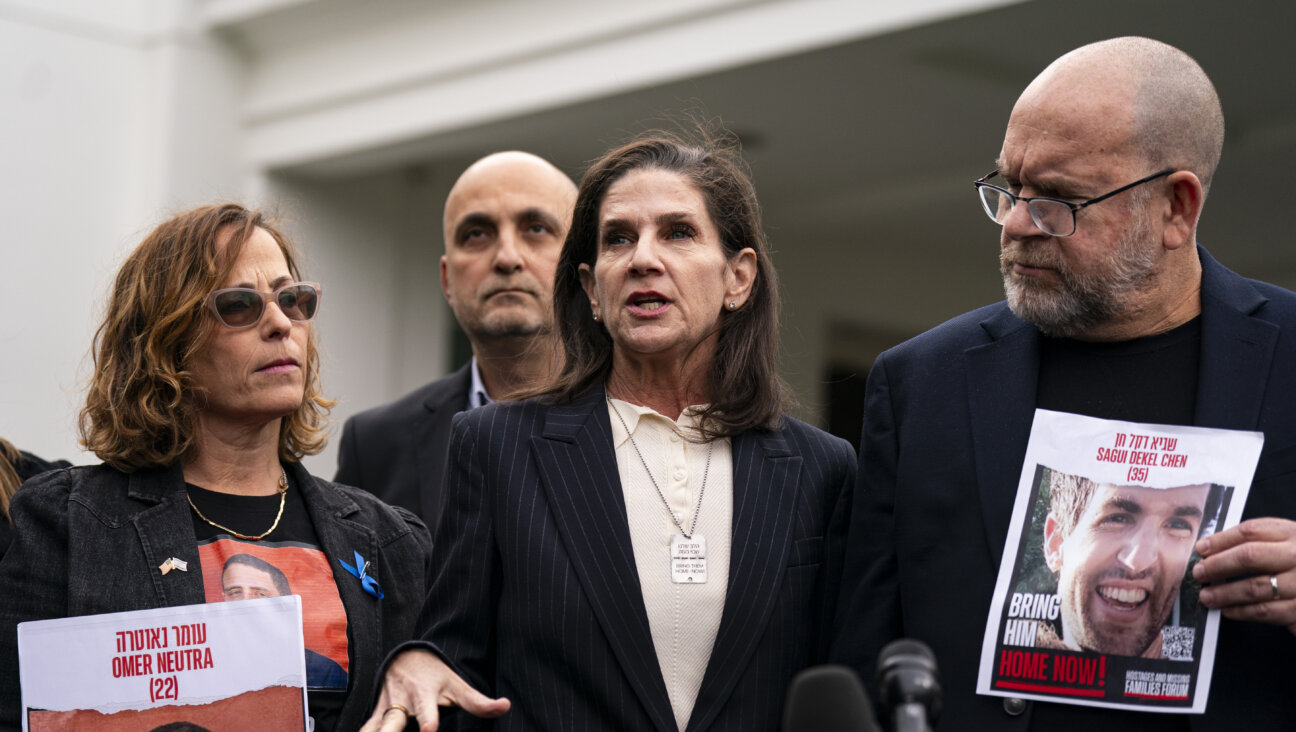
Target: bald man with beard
[1114,311]
[504,224]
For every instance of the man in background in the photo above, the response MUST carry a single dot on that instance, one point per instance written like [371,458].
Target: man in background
[505,221]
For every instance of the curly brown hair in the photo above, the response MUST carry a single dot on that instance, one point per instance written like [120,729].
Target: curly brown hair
[141,410]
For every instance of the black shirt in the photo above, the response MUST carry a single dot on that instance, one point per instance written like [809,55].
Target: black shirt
[286,561]
[1152,380]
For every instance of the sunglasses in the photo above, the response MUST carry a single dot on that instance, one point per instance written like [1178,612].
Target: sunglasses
[242,307]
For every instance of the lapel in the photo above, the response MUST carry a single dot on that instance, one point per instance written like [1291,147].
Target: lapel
[1002,377]
[431,441]
[340,538]
[342,533]
[578,472]
[1236,350]
[765,489]
[165,530]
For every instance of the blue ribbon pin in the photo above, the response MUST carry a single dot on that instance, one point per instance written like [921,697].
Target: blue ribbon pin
[361,572]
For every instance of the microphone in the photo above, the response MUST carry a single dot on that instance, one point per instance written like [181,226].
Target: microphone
[827,699]
[910,685]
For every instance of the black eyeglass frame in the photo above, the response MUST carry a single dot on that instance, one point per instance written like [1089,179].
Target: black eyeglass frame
[981,182]
[266,298]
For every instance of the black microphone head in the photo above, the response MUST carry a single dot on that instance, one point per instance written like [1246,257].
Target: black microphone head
[906,674]
[905,651]
[827,699]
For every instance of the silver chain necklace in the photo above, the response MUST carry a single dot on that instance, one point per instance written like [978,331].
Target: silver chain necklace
[697,508]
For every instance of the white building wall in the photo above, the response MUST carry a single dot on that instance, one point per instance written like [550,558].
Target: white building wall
[103,125]
[114,113]
[332,78]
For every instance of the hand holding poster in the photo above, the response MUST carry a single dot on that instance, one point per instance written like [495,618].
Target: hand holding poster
[1095,603]
[237,665]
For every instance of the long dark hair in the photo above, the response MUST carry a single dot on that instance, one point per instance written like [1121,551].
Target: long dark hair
[745,388]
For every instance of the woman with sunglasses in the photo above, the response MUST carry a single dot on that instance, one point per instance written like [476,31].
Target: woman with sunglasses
[204,397]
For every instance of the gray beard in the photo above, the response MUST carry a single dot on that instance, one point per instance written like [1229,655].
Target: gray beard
[1085,300]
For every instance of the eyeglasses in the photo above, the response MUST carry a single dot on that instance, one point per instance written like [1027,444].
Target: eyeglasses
[242,307]
[1053,216]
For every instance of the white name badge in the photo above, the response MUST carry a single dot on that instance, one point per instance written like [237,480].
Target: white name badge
[688,559]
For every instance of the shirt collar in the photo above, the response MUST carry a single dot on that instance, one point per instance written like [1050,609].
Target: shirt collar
[477,396]
[686,425]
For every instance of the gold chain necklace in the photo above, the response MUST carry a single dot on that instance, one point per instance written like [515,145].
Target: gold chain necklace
[283,499]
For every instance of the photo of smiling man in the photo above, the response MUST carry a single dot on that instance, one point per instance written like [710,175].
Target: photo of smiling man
[1120,554]
[1095,602]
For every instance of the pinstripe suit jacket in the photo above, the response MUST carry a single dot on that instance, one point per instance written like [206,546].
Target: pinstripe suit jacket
[537,597]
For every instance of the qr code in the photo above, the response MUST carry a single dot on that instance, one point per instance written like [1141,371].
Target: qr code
[1177,642]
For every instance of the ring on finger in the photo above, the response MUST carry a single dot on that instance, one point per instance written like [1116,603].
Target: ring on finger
[397,707]
[1273,585]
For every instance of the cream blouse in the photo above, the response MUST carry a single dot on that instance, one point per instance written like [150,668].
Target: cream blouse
[684,618]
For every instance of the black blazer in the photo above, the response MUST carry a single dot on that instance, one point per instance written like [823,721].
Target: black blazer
[536,596]
[947,419]
[90,540]
[27,466]
[398,451]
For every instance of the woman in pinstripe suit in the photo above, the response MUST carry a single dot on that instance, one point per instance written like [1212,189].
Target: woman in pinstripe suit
[647,543]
